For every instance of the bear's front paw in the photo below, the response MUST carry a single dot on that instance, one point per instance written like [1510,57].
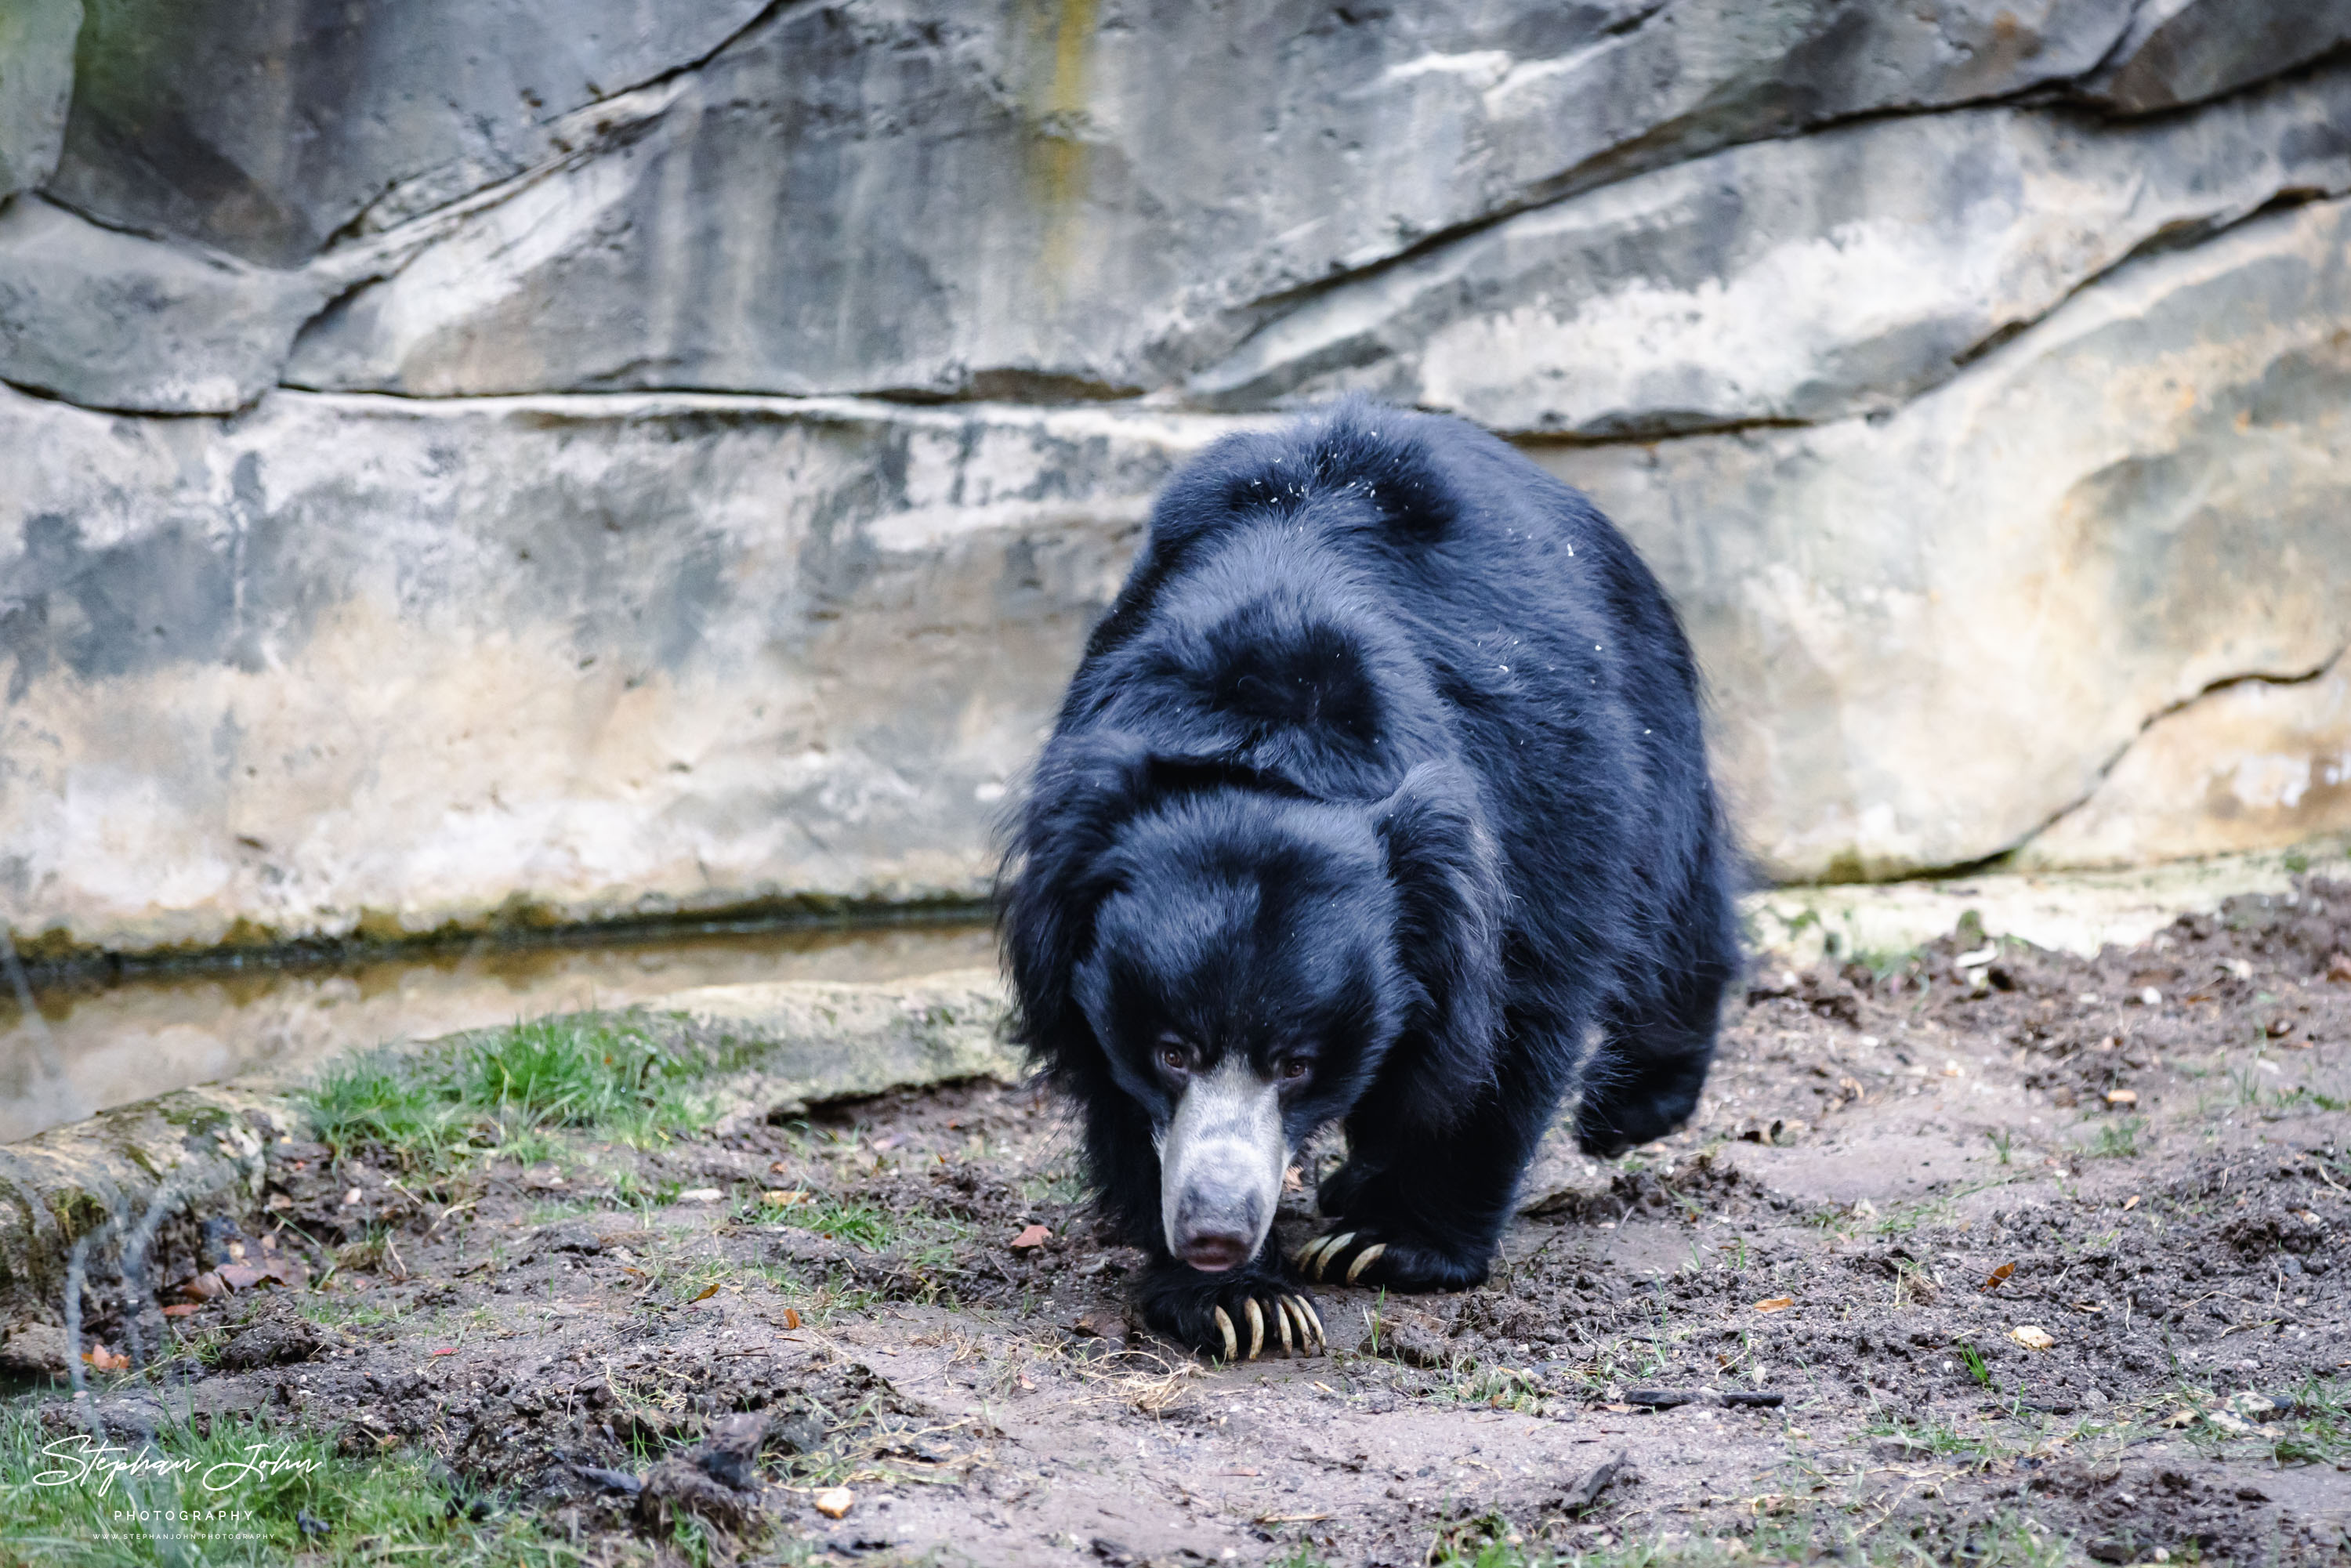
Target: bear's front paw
[1321,1256]
[1363,1254]
[1237,1319]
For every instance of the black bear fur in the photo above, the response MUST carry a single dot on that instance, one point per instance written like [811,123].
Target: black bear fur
[1388,759]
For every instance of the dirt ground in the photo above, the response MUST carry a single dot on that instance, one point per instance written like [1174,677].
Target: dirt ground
[2043,1257]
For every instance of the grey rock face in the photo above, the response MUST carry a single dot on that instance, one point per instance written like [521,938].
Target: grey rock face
[36,54]
[2256,763]
[366,661]
[1800,279]
[873,198]
[1930,633]
[1976,414]
[111,320]
[2183,51]
[264,127]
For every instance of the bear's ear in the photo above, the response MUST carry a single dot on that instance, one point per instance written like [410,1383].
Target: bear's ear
[1054,879]
[1449,920]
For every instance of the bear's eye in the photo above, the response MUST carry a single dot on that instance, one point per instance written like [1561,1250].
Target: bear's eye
[1172,1054]
[1296,1068]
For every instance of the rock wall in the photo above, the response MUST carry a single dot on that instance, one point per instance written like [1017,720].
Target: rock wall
[576,459]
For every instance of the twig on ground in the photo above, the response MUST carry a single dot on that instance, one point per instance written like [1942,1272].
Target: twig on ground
[1668,1398]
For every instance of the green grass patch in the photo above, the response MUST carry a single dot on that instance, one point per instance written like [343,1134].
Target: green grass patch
[2318,1430]
[241,1493]
[860,1225]
[513,1091]
[2117,1139]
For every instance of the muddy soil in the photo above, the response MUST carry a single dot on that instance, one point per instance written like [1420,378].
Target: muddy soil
[2043,1259]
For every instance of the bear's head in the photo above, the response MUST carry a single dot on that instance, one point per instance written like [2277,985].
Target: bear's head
[1245,962]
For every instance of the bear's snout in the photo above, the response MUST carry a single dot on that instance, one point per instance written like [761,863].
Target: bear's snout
[1220,1166]
[1212,1236]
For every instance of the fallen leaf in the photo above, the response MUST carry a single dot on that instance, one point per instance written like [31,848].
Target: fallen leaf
[2130,1203]
[105,1360]
[1997,1277]
[1034,1235]
[2339,966]
[2122,1096]
[1775,1304]
[246,1276]
[182,1311]
[1103,1322]
[707,1291]
[446,1350]
[792,1317]
[835,1502]
[2182,1416]
[204,1287]
[784,1199]
[2031,1338]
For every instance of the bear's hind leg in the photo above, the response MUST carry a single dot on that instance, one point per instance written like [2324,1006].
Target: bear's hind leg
[1645,1079]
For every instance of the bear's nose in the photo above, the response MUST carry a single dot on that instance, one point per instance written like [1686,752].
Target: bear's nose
[1214,1252]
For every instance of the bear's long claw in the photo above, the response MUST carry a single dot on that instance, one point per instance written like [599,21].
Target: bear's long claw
[1363,1260]
[1314,1317]
[1225,1327]
[1281,1326]
[1305,1328]
[1328,1253]
[1257,1327]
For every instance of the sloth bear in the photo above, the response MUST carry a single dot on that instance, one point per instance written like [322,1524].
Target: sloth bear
[1378,798]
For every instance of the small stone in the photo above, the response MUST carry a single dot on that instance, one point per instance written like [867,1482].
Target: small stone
[2150,998]
[273,1342]
[2031,1338]
[700,1194]
[835,1502]
[801,1434]
[38,1349]
[731,1453]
